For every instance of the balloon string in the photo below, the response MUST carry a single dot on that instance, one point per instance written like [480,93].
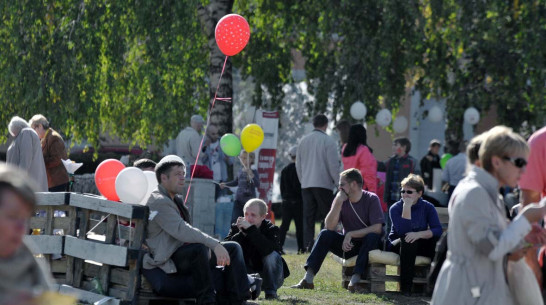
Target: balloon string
[205,134]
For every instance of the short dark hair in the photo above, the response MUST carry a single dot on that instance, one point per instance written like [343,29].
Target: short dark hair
[17,181]
[352,174]
[404,142]
[144,163]
[320,120]
[165,168]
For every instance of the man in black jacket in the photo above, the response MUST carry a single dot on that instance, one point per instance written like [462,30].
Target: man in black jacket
[431,161]
[259,239]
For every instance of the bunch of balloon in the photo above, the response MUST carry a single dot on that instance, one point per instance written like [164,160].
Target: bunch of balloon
[252,137]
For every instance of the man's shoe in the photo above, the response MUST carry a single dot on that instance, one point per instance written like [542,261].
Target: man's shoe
[303,285]
[256,286]
[271,296]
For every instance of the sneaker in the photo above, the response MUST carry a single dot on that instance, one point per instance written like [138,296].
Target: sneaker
[255,286]
[303,285]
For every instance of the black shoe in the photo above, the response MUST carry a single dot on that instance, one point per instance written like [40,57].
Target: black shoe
[271,296]
[256,286]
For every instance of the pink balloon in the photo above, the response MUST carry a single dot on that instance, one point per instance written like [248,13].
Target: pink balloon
[105,178]
[232,34]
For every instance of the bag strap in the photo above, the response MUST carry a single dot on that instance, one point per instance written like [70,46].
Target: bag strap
[351,205]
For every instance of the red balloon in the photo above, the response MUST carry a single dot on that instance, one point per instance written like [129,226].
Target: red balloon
[105,178]
[232,34]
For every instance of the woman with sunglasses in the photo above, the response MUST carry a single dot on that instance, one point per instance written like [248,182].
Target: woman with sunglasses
[415,228]
[480,238]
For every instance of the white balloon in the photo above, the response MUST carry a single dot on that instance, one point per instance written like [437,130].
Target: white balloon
[358,110]
[383,118]
[471,116]
[131,185]
[400,124]
[435,114]
[152,184]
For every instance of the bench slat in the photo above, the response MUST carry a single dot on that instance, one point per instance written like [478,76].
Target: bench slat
[102,205]
[95,251]
[46,244]
[46,198]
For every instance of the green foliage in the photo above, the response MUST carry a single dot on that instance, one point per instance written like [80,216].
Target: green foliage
[134,69]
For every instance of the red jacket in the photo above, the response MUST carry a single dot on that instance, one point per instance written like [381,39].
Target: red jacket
[364,161]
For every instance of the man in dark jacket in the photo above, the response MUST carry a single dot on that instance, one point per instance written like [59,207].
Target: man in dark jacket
[431,161]
[259,239]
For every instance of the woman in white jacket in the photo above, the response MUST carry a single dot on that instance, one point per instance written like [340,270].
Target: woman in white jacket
[480,239]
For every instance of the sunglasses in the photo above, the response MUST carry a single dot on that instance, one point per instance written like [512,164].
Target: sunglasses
[518,162]
[406,192]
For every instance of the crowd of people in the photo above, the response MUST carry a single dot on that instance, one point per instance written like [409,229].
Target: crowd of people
[491,248]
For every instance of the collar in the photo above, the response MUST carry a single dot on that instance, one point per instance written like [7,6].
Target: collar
[485,179]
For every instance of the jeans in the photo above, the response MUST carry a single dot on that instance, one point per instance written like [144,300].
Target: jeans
[408,252]
[231,281]
[333,241]
[272,273]
[292,210]
[316,204]
[193,277]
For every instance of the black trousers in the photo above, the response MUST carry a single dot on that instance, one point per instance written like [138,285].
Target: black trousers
[408,252]
[316,205]
[292,210]
[193,277]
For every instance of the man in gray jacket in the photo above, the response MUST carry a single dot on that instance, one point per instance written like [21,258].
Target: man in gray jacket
[178,263]
[317,165]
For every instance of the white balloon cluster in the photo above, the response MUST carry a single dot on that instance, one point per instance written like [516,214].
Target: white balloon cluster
[358,110]
[134,185]
[471,116]
[383,117]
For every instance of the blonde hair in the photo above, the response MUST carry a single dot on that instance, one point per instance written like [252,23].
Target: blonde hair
[501,141]
[262,206]
[39,119]
[415,182]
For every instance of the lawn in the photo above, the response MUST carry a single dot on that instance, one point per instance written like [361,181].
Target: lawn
[328,288]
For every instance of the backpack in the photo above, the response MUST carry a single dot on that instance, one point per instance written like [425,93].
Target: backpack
[437,262]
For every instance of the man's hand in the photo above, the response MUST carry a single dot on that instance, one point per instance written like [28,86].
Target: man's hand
[222,256]
[222,185]
[347,244]
[242,223]
[412,236]
[341,196]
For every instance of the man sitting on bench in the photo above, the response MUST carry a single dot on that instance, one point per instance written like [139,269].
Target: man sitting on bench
[259,239]
[360,213]
[179,262]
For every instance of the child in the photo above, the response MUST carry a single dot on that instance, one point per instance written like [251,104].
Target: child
[247,181]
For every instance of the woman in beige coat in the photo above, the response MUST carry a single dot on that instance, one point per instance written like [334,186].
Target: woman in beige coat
[480,237]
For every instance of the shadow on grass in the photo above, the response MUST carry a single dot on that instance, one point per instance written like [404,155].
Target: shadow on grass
[397,298]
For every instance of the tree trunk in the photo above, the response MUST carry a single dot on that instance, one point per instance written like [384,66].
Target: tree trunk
[222,113]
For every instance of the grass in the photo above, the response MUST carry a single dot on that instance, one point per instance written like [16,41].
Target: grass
[328,288]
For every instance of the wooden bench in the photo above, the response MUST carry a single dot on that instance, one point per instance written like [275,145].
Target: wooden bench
[377,276]
[100,257]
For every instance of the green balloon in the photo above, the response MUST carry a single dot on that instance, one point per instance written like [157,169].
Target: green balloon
[231,145]
[444,159]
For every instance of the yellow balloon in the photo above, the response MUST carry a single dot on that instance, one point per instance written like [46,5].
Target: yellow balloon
[252,137]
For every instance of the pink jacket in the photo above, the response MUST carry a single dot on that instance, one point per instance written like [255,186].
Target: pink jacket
[364,161]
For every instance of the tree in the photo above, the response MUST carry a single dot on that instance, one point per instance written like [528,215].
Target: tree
[134,69]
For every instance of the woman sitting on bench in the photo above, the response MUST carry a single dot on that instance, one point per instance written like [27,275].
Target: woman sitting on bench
[415,228]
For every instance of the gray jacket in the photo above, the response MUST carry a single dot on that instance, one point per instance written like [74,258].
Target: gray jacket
[479,239]
[318,161]
[167,230]
[187,146]
[26,152]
